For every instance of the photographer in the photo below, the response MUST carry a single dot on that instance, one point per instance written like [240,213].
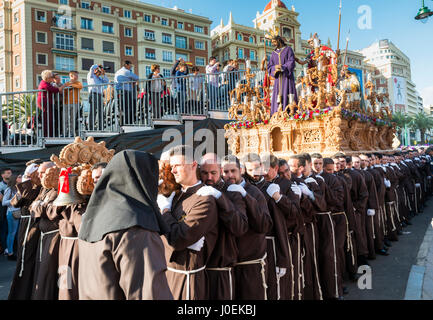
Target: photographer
[126,92]
[97,77]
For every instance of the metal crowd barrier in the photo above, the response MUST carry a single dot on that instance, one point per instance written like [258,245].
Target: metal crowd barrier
[106,108]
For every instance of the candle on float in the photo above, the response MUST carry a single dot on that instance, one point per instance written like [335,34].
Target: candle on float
[248,63]
[291,98]
[245,100]
[257,82]
[302,93]
[305,70]
[316,43]
[308,91]
[319,66]
[328,87]
[233,101]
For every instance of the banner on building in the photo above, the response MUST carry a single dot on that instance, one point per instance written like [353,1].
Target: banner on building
[400,91]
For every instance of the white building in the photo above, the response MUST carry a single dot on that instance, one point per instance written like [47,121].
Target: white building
[395,68]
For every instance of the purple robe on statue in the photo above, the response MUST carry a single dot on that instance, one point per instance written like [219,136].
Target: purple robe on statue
[288,78]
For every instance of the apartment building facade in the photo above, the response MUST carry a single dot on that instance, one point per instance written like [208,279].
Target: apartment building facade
[64,35]
[235,41]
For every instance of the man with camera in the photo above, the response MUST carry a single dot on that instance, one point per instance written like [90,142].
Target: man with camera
[127,93]
[97,77]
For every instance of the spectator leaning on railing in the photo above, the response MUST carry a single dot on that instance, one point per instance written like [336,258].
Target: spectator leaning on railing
[127,94]
[96,77]
[196,84]
[71,103]
[155,88]
[212,71]
[45,102]
[181,85]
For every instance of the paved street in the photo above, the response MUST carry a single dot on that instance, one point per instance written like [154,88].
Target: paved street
[389,274]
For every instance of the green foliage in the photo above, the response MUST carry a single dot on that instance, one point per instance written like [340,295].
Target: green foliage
[20,109]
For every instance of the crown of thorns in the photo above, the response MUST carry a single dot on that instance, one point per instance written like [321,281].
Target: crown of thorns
[272,33]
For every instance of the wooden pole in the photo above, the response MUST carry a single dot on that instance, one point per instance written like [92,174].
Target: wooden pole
[339,27]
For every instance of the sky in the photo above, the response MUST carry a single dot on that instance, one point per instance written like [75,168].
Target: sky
[390,19]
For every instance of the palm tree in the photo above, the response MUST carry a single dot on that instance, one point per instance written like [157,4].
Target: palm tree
[401,120]
[422,122]
[19,110]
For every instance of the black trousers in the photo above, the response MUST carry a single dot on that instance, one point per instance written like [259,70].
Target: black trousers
[96,112]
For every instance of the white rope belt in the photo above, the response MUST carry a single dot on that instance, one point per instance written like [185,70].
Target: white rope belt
[262,263]
[391,212]
[188,274]
[275,260]
[372,226]
[300,271]
[24,245]
[68,238]
[292,271]
[397,205]
[229,269]
[22,217]
[323,213]
[41,238]
[335,256]
[315,261]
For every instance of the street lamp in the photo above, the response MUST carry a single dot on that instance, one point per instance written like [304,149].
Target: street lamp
[424,13]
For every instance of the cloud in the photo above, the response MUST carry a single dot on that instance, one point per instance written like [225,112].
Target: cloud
[427,95]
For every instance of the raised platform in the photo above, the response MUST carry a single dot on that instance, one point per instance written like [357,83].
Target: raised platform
[326,133]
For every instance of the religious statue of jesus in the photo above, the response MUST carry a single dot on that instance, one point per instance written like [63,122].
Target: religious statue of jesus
[282,66]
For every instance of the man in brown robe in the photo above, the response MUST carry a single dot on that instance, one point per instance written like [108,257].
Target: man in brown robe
[367,164]
[288,201]
[359,195]
[312,203]
[45,278]
[232,222]
[372,207]
[250,270]
[192,219]
[28,235]
[331,226]
[121,251]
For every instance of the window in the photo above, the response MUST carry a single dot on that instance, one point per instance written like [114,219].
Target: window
[199,45]
[164,22]
[252,55]
[107,47]
[107,27]
[17,38]
[127,14]
[86,64]
[65,2]
[128,51]
[109,66]
[16,17]
[239,37]
[198,29]
[64,41]
[41,37]
[41,59]
[150,54]
[65,63]
[149,35]
[180,42]
[64,79]
[167,56]
[1,21]
[166,73]
[128,32]
[241,54]
[2,64]
[180,25]
[17,60]
[148,70]
[166,38]
[62,21]
[86,24]
[147,18]
[201,62]
[85,5]
[41,16]
[183,56]
[17,82]
[86,44]
[251,40]
[106,9]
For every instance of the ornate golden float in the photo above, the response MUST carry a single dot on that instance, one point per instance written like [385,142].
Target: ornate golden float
[328,118]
